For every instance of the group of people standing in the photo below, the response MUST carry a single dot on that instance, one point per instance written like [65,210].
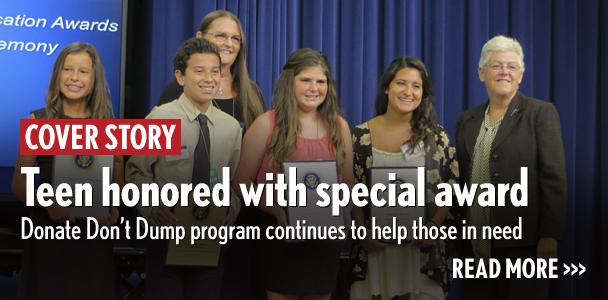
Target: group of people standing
[224,124]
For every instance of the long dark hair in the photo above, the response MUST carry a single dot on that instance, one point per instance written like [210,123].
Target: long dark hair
[424,118]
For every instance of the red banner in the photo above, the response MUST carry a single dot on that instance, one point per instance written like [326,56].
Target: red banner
[100,137]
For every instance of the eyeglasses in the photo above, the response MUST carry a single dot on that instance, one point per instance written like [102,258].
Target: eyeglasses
[511,67]
[222,37]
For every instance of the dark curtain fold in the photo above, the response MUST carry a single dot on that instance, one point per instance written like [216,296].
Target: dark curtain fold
[565,45]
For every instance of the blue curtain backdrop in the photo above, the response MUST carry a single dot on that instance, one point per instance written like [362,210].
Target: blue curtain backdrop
[566,53]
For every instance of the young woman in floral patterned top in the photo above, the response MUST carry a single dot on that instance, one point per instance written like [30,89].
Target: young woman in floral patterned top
[404,133]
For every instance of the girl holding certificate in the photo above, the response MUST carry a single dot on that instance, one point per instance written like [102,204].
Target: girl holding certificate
[304,125]
[404,133]
[69,269]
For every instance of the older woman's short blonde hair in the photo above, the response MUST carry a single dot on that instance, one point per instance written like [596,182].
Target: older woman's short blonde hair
[501,43]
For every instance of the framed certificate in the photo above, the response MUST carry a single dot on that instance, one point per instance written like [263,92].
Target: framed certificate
[311,174]
[203,253]
[405,216]
[73,169]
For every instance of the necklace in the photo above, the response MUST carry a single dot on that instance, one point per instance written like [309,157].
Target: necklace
[301,133]
[220,90]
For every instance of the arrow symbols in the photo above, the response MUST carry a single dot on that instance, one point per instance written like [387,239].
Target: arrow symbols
[573,269]
[582,268]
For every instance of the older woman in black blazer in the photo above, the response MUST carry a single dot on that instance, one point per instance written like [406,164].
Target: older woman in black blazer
[494,141]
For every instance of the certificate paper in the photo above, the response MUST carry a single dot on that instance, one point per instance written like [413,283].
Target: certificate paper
[311,174]
[405,216]
[204,252]
[73,169]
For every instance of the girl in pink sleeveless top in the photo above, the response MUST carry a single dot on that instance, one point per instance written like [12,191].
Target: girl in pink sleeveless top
[306,149]
[305,124]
